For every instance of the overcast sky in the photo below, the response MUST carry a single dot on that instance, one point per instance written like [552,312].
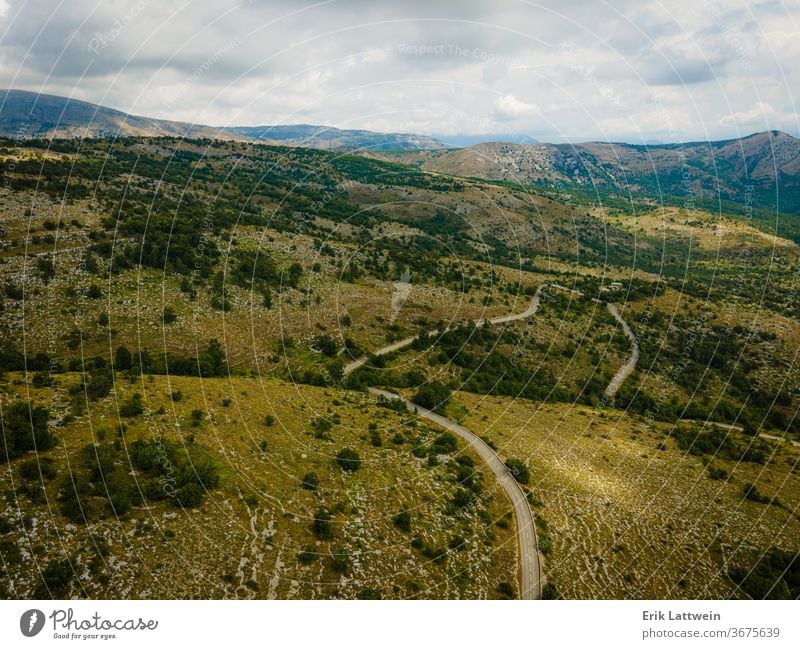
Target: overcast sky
[639,70]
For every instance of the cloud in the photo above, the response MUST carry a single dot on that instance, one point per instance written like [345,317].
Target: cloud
[509,107]
[761,116]
[430,66]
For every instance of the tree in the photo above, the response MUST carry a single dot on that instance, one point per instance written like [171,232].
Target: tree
[321,526]
[25,428]
[433,396]
[310,481]
[403,521]
[348,459]
[56,577]
[518,470]
[189,495]
[123,359]
[132,407]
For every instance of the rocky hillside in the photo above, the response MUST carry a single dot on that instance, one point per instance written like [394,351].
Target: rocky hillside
[28,114]
[760,169]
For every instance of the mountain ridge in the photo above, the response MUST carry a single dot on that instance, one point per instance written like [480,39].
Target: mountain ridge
[25,114]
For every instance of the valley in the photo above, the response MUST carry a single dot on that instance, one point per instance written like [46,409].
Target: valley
[199,337]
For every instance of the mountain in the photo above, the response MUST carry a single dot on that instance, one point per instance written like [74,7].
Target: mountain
[761,170]
[31,115]
[466,139]
[328,137]
[26,114]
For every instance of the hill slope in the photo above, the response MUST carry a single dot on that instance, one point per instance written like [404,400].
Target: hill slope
[28,114]
[760,169]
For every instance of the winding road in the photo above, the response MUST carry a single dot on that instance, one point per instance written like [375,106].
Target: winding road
[400,344]
[624,371]
[530,561]
[530,565]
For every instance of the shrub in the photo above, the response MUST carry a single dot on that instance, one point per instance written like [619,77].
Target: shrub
[348,459]
[341,562]
[122,359]
[505,590]
[445,443]
[751,492]
[433,396]
[132,407]
[176,395]
[55,578]
[307,556]
[41,468]
[189,495]
[519,470]
[463,498]
[403,521]
[169,315]
[321,527]
[24,428]
[717,473]
[100,384]
[310,481]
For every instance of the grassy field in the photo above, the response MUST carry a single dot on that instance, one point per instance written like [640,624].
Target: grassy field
[628,513]
[249,535]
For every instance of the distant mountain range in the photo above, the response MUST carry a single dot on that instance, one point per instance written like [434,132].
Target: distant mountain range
[759,171]
[26,114]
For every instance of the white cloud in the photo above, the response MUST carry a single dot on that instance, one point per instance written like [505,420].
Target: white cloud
[509,107]
[760,116]
[473,66]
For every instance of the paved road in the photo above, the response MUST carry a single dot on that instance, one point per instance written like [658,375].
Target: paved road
[531,572]
[624,371]
[400,344]
[530,561]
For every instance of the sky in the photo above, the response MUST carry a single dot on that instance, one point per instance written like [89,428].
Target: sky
[634,71]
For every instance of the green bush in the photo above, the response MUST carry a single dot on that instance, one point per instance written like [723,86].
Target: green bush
[24,428]
[322,527]
[519,470]
[310,481]
[189,495]
[55,578]
[402,521]
[433,396]
[42,468]
[349,459]
[132,407]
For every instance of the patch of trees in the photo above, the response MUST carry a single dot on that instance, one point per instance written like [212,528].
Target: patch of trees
[101,485]
[24,428]
[776,575]
[433,396]
[719,443]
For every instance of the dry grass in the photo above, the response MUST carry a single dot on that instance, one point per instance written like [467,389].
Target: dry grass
[245,538]
[631,520]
